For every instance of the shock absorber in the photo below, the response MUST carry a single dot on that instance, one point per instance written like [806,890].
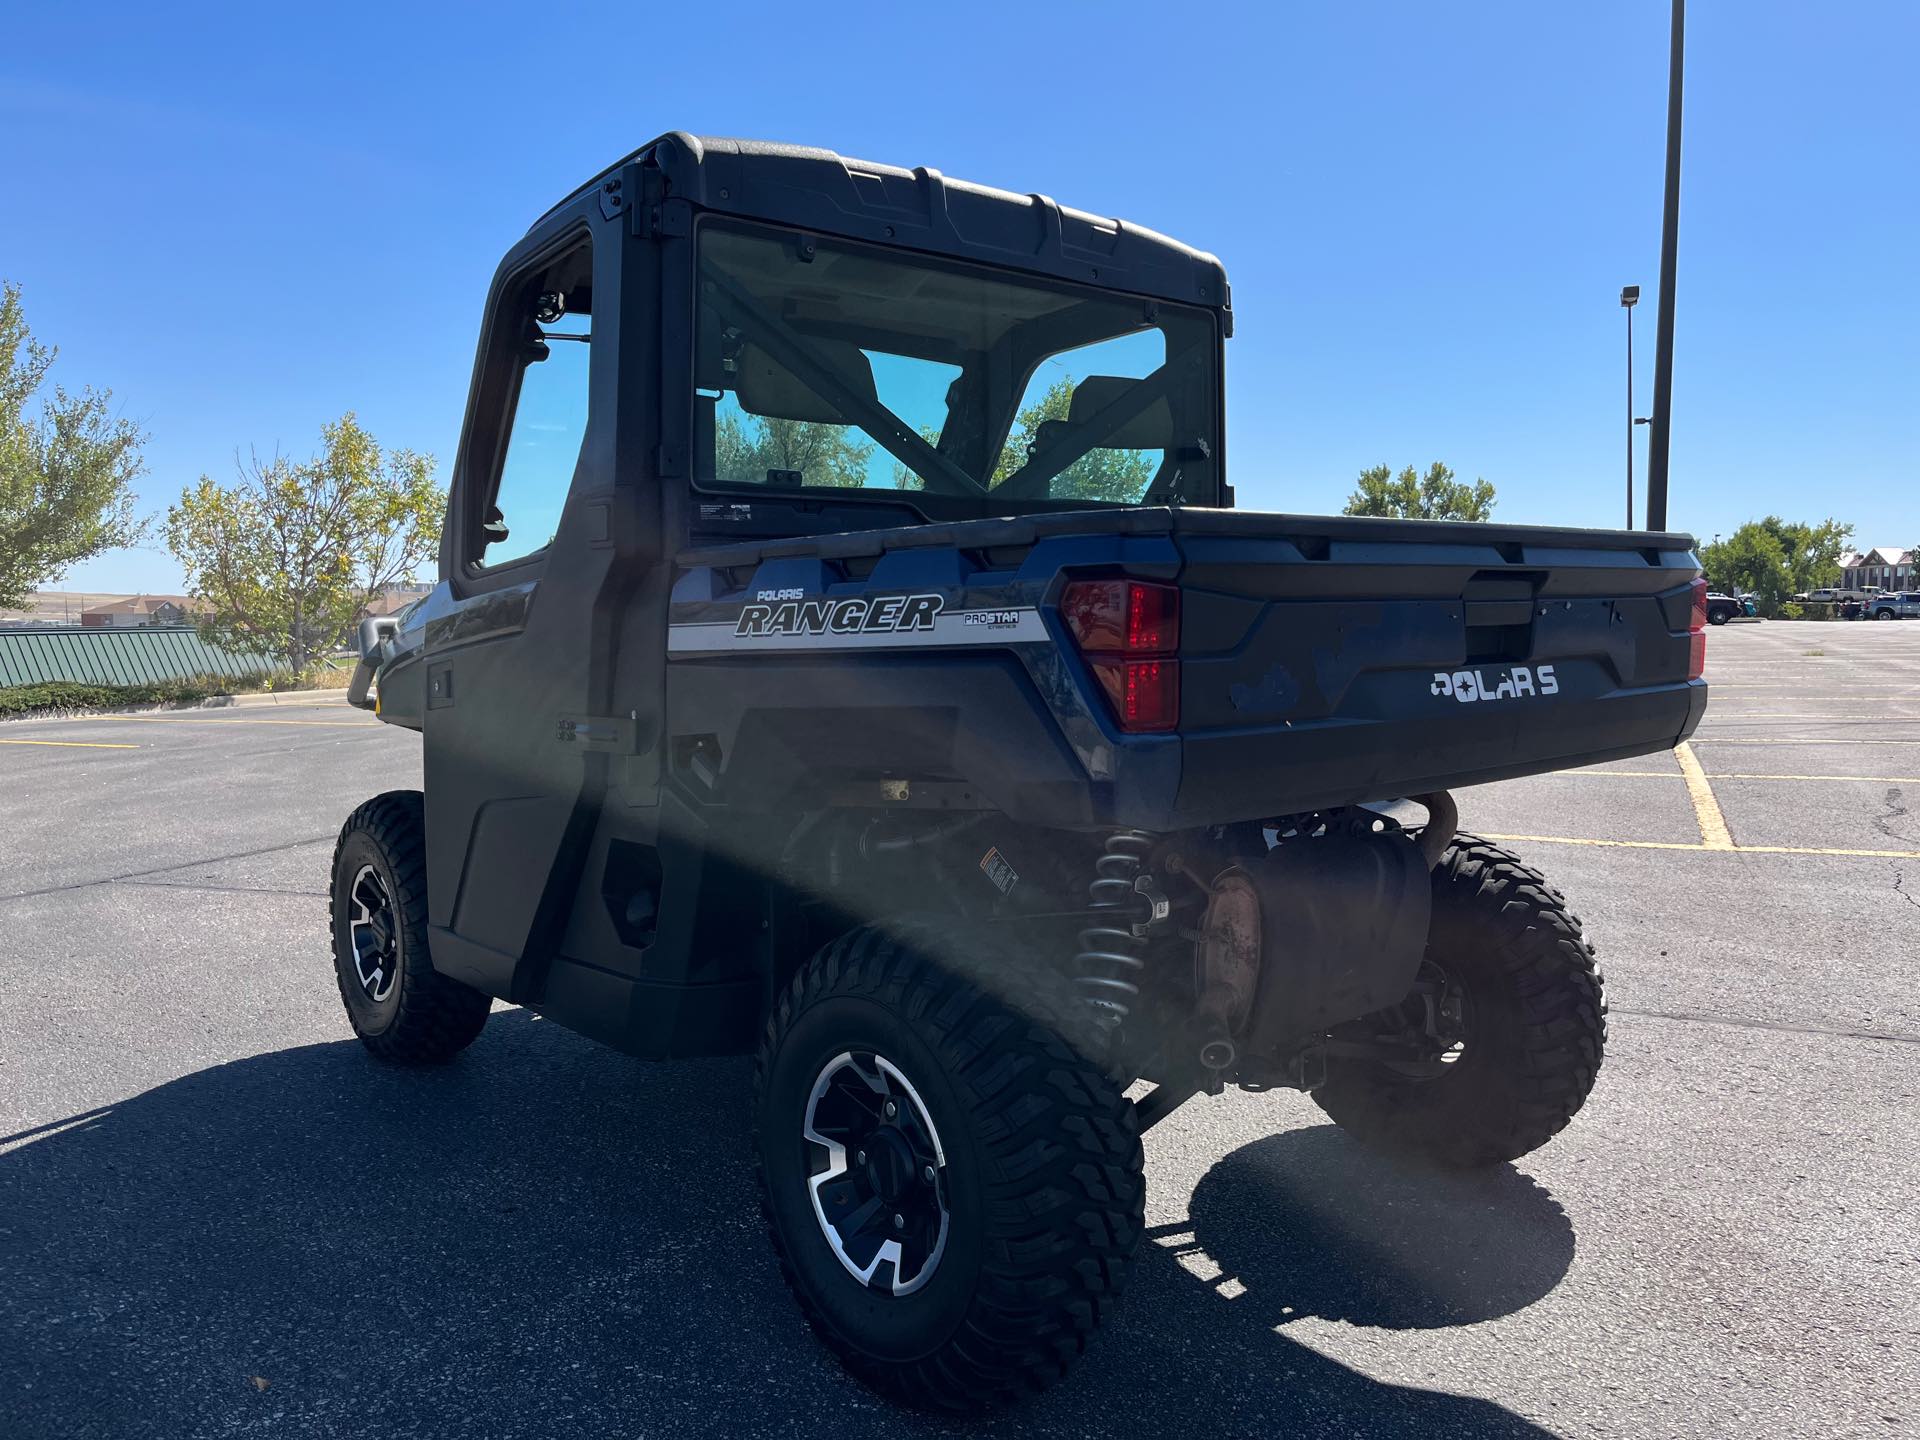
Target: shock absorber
[1111,953]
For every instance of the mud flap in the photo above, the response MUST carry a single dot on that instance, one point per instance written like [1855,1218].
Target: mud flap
[1343,926]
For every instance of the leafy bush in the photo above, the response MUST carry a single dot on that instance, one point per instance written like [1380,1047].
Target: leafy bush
[83,695]
[1792,610]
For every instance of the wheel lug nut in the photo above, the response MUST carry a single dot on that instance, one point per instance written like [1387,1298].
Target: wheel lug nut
[899,1222]
[892,1109]
[927,1174]
[861,1158]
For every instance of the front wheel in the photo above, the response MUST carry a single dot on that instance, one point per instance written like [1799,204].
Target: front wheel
[1511,1011]
[955,1191]
[1719,617]
[399,1005]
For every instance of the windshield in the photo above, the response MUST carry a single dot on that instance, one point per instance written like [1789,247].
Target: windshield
[822,363]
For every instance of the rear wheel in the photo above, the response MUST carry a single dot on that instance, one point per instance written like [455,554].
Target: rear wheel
[954,1189]
[399,1005]
[1883,615]
[1719,616]
[1511,1013]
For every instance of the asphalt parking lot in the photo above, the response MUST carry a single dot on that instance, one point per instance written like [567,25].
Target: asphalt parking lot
[219,1217]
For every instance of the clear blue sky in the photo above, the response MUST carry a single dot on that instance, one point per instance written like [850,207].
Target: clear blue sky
[246,222]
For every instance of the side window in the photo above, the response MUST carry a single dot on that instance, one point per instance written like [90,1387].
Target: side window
[549,421]
[1071,387]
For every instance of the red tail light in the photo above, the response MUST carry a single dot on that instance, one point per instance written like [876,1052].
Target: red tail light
[1129,632]
[1145,694]
[1127,616]
[1697,633]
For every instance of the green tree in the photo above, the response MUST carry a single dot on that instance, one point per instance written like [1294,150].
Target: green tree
[66,470]
[1118,476]
[1411,496]
[746,447]
[1776,559]
[1750,562]
[289,556]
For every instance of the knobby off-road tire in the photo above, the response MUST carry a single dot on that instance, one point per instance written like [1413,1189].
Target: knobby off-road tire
[1536,1023]
[1041,1186]
[400,1006]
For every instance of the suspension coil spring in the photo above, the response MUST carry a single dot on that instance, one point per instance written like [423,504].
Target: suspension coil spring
[1110,952]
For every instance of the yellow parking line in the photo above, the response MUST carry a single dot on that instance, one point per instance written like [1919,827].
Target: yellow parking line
[1725,713]
[226,720]
[1605,844]
[1706,849]
[1630,774]
[73,744]
[1731,775]
[1857,779]
[1794,740]
[1723,687]
[1713,825]
[1774,694]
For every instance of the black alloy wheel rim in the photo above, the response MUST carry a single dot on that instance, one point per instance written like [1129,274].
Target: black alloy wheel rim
[877,1175]
[373,930]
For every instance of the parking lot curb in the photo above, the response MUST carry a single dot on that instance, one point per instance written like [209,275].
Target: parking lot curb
[212,702]
[272,697]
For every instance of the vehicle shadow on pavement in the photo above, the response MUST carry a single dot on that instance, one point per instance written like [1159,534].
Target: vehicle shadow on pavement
[1312,1224]
[548,1238]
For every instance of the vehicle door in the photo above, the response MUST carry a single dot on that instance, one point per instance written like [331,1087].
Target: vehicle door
[535,556]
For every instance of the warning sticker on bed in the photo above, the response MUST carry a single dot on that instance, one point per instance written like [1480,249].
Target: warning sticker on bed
[995,867]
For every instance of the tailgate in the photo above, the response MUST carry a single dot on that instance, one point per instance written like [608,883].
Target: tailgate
[1329,662]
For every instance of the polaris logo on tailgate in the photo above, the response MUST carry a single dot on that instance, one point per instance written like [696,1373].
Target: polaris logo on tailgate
[1518,682]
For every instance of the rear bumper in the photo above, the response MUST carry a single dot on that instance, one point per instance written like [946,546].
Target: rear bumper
[1249,775]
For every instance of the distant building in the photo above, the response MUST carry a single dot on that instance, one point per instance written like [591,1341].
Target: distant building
[140,610]
[54,609]
[1885,567]
[392,599]
[66,609]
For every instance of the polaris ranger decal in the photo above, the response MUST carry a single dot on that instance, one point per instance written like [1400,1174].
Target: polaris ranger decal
[856,615]
[1517,683]
[855,622]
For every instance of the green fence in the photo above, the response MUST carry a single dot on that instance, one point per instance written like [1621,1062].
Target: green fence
[130,656]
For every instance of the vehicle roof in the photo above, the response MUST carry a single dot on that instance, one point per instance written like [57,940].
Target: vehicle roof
[921,209]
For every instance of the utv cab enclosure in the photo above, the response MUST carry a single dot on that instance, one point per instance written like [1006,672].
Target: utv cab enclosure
[846,651]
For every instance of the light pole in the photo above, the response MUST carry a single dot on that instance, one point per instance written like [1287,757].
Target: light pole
[1669,252]
[1629,297]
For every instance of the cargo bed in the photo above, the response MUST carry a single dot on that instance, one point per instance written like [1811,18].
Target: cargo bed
[1322,660]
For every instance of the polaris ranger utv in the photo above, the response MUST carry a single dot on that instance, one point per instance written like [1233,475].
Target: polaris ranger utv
[845,651]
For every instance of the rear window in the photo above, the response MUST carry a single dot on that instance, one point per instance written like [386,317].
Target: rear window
[824,364]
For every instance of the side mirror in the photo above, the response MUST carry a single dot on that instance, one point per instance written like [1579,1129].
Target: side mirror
[373,631]
[494,527]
